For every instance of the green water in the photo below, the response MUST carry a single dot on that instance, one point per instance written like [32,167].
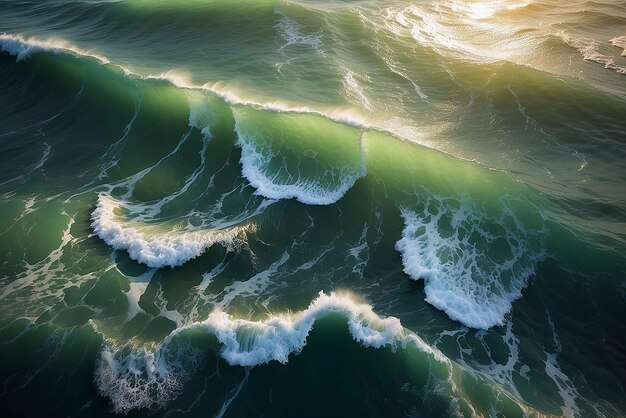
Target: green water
[267,208]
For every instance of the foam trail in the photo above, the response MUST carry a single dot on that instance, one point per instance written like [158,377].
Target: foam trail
[291,33]
[566,388]
[475,272]
[151,246]
[419,92]
[227,403]
[535,125]
[354,92]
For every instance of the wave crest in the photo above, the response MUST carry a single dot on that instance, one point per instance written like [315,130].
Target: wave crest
[297,162]
[21,47]
[135,378]
[149,244]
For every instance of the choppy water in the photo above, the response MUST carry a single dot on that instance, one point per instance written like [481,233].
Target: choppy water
[272,208]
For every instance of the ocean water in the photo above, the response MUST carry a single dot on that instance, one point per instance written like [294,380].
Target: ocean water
[300,208]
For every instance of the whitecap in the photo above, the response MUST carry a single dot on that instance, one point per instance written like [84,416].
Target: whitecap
[474,264]
[154,245]
[136,378]
[589,48]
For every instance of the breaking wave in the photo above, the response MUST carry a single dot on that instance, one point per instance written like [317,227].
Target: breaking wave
[154,245]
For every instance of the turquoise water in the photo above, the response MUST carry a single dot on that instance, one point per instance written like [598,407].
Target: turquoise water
[270,208]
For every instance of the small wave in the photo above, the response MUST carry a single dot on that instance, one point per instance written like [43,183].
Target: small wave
[136,378]
[474,264]
[589,48]
[402,129]
[149,244]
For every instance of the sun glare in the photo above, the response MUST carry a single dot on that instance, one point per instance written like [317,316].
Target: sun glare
[480,11]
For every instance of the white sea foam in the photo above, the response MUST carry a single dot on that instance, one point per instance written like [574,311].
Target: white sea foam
[177,78]
[135,378]
[474,265]
[250,343]
[140,378]
[149,244]
[589,48]
[255,160]
[620,42]
[21,47]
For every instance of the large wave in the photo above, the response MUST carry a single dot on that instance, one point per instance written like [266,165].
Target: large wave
[138,378]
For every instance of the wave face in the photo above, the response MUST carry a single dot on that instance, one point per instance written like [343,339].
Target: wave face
[204,201]
[299,157]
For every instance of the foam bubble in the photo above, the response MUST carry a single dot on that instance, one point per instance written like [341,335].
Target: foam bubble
[149,244]
[474,264]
